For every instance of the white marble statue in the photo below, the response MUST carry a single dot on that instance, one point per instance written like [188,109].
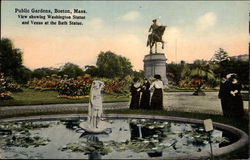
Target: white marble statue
[94,123]
[95,103]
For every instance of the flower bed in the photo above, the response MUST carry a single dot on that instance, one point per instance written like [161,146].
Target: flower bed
[7,86]
[79,87]
[74,88]
[44,83]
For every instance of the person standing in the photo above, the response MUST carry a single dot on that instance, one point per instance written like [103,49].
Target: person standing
[235,99]
[145,97]
[135,93]
[223,95]
[157,97]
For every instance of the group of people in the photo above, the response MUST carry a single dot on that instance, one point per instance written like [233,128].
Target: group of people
[143,98]
[149,95]
[231,99]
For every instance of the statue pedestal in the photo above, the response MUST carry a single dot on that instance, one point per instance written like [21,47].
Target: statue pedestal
[102,126]
[155,64]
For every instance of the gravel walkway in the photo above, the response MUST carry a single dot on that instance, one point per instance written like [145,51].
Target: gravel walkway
[173,101]
[10,110]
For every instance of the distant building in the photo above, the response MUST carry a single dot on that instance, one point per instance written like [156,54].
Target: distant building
[243,57]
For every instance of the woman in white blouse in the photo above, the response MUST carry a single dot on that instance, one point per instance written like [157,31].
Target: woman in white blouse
[157,97]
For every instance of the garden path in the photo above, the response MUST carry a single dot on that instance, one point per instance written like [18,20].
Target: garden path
[173,101]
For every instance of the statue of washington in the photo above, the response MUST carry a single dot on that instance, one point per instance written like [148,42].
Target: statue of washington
[155,35]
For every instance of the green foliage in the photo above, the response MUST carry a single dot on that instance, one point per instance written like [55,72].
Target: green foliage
[225,65]
[72,70]
[91,70]
[18,134]
[74,87]
[11,61]
[139,74]
[220,55]
[241,68]
[111,65]
[7,85]
[88,147]
[43,84]
[117,85]
[44,72]
[197,74]
[174,73]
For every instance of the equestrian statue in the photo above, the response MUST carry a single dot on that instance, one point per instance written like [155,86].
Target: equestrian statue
[155,35]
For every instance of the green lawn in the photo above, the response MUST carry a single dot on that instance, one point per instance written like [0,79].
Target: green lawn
[32,96]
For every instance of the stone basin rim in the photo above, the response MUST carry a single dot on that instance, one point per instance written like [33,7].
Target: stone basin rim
[243,137]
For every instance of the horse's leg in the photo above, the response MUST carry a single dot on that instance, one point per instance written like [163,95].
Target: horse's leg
[155,47]
[162,43]
[151,46]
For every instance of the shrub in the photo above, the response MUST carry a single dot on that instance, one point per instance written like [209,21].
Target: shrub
[48,83]
[117,86]
[71,87]
[5,87]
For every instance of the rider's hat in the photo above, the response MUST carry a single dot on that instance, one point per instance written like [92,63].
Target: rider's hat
[154,20]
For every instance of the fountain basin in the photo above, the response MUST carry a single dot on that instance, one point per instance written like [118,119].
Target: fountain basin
[240,138]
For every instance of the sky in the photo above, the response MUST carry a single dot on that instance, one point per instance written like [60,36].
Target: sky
[195,30]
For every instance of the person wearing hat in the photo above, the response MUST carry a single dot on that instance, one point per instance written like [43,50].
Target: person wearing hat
[145,96]
[224,95]
[153,28]
[135,93]
[235,101]
[157,97]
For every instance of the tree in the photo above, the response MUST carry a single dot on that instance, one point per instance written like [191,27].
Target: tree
[72,70]
[111,65]
[25,75]
[91,70]
[220,55]
[44,72]
[220,58]
[241,68]
[174,72]
[11,61]
[139,74]
[198,74]
[225,65]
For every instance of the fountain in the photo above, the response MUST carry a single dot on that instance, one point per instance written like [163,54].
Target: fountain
[94,123]
[125,137]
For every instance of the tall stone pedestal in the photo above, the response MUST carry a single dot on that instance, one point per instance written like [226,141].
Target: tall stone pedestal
[155,64]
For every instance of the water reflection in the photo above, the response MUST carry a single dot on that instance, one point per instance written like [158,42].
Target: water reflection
[139,132]
[95,154]
[130,139]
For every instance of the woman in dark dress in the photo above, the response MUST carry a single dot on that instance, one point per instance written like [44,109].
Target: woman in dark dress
[135,93]
[235,101]
[157,97]
[145,97]
[224,95]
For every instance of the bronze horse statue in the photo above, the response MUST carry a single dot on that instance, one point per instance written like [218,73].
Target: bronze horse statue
[155,37]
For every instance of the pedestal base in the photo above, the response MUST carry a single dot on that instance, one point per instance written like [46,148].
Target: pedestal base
[102,126]
[155,64]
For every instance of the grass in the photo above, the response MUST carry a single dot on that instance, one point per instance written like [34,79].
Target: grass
[35,97]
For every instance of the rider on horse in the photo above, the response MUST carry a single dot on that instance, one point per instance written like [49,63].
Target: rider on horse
[155,36]
[154,28]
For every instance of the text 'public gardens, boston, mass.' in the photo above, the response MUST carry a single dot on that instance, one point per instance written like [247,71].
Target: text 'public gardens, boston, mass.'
[34,16]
